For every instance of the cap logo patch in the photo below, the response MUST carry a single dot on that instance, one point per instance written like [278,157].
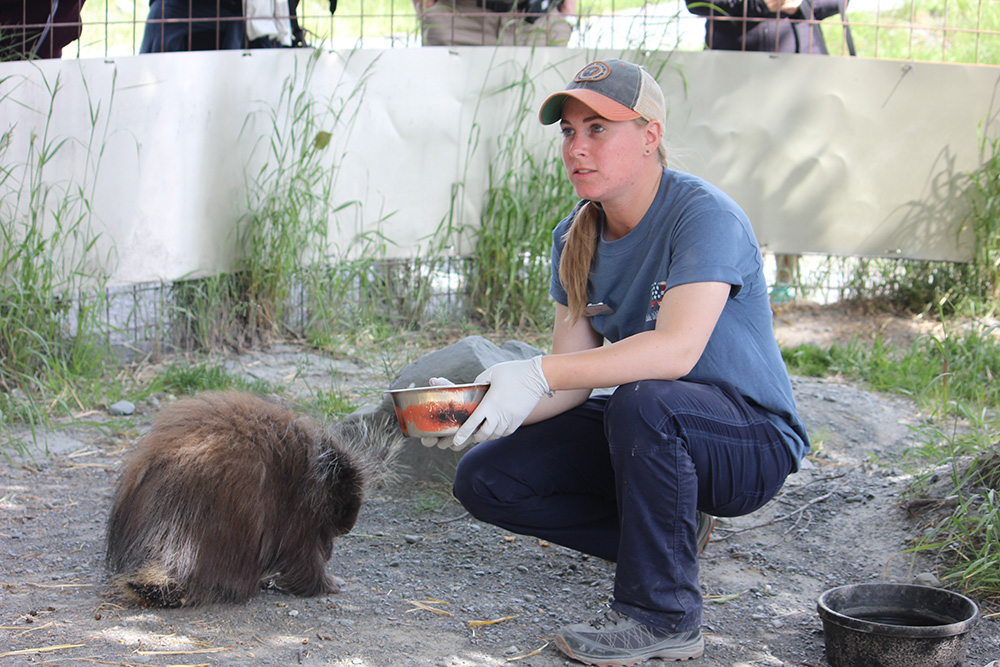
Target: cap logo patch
[593,72]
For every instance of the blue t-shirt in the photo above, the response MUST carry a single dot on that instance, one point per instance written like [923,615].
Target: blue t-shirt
[694,232]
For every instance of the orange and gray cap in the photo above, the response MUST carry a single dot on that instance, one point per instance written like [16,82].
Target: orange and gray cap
[616,89]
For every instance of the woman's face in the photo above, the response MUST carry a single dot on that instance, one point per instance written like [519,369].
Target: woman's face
[603,158]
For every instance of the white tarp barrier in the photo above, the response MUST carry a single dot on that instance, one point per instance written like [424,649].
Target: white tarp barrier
[827,154]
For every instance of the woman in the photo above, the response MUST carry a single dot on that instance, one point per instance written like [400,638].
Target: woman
[666,269]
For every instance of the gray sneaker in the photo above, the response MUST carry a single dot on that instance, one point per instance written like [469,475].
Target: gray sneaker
[615,639]
[706,523]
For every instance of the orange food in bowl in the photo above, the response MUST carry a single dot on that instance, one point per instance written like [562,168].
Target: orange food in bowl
[435,411]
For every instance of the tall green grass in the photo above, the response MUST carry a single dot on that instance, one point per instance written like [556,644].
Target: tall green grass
[527,195]
[984,218]
[958,507]
[52,271]
[282,240]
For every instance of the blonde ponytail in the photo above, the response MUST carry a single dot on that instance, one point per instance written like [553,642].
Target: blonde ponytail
[577,256]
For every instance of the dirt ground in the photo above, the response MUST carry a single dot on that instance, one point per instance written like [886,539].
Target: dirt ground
[428,586]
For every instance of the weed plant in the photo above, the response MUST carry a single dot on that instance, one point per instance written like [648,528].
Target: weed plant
[191,378]
[958,506]
[282,240]
[52,276]
[527,196]
[984,219]
[941,373]
[970,289]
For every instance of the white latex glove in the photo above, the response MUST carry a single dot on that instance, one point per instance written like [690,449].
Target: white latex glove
[431,441]
[515,389]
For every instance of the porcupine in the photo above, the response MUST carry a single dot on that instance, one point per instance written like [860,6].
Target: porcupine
[229,492]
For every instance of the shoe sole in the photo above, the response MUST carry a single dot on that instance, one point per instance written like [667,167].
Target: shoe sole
[698,646]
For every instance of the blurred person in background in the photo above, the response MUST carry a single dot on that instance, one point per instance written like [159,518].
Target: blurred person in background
[771,26]
[495,22]
[206,25]
[38,28]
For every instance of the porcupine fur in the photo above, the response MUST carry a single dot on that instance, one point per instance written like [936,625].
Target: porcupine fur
[228,492]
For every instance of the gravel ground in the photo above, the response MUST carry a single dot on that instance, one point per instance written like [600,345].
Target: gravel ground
[428,586]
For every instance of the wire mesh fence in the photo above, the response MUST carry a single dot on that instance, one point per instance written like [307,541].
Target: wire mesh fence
[148,320]
[954,31]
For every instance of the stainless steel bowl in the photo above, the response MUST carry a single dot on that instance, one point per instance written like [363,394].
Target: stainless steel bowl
[426,412]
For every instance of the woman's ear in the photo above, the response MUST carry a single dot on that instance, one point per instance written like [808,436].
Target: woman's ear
[654,132]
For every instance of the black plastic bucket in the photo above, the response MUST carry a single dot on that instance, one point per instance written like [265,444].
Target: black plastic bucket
[896,625]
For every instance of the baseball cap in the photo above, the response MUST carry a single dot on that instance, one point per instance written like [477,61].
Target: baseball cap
[616,89]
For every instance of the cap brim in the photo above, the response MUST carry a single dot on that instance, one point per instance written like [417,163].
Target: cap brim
[551,111]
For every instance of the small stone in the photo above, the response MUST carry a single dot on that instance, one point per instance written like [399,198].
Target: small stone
[122,409]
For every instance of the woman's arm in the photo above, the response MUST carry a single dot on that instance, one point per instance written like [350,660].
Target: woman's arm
[687,316]
[566,338]
[519,389]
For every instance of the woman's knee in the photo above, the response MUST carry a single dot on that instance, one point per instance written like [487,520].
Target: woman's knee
[463,487]
[646,402]
[472,486]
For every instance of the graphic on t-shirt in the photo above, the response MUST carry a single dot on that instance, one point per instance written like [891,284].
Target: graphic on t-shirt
[657,290]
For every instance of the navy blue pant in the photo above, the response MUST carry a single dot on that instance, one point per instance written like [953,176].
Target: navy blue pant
[622,477]
[197,25]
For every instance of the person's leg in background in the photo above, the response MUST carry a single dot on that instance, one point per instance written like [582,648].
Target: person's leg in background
[193,25]
[152,36]
[786,278]
[458,23]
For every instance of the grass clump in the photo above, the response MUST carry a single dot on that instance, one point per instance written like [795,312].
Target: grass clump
[188,378]
[282,242]
[957,505]
[528,195]
[984,219]
[940,372]
[52,272]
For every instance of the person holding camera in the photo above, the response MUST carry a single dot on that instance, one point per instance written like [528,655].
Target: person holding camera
[770,26]
[660,294]
[495,22]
